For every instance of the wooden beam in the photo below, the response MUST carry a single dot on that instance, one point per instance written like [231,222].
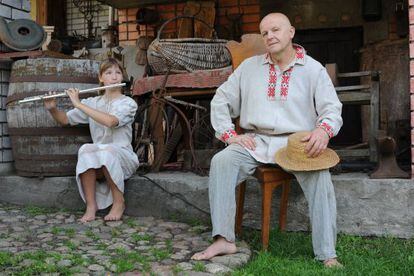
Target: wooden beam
[126,4]
[41,12]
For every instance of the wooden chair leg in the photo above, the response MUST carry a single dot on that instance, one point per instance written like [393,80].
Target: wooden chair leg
[267,190]
[284,205]
[239,209]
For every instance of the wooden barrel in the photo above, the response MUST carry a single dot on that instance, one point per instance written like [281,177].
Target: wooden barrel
[40,146]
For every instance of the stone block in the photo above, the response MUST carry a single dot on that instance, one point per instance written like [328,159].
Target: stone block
[7,155]
[4,89]
[6,168]
[6,143]
[13,3]
[3,118]
[5,11]
[5,76]
[5,128]
[26,6]
[3,102]
[18,14]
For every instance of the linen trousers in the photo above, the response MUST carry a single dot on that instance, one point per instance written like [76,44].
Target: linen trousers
[234,164]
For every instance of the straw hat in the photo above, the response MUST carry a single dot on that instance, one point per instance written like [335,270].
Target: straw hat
[294,158]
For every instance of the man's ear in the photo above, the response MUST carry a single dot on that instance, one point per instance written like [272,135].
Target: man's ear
[292,32]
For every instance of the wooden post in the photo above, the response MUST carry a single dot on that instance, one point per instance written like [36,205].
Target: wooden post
[374,116]
[332,70]
[41,12]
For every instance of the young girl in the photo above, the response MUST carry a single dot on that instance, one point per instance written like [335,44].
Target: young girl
[110,157]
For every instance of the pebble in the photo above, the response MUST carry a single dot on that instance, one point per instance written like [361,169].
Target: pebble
[101,248]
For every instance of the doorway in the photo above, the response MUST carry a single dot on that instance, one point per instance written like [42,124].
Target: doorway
[340,46]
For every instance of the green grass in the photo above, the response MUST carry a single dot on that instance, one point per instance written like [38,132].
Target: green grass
[291,254]
[199,266]
[125,261]
[35,210]
[90,234]
[160,254]
[9,263]
[70,232]
[137,237]
[131,222]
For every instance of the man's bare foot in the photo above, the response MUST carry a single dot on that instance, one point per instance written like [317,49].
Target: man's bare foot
[219,247]
[116,212]
[89,213]
[332,263]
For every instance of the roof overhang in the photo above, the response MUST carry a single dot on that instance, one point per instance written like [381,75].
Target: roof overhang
[126,4]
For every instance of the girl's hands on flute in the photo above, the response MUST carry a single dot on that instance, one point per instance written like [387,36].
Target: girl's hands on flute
[51,102]
[73,94]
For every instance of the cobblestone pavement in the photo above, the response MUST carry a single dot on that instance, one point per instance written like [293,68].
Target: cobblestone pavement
[41,241]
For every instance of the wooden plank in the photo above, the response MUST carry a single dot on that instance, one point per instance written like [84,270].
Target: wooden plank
[353,153]
[354,74]
[190,93]
[26,54]
[352,87]
[362,98]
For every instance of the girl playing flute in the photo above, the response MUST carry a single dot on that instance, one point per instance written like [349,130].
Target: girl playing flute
[110,157]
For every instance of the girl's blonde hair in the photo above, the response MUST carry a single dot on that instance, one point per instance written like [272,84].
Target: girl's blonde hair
[108,64]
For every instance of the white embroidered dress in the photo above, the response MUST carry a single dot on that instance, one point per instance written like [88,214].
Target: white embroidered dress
[273,104]
[111,146]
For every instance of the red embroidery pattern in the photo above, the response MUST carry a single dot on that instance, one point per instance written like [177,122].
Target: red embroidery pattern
[284,88]
[271,90]
[327,128]
[300,54]
[228,134]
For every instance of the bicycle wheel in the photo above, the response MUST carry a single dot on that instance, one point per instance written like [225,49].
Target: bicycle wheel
[144,141]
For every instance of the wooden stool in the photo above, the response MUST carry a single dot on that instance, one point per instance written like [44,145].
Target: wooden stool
[270,177]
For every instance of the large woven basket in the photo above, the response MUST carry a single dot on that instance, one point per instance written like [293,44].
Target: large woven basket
[180,55]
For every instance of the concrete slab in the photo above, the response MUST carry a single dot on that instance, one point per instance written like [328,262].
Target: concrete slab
[365,206]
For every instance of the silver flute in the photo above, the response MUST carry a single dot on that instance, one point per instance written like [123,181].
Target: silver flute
[46,96]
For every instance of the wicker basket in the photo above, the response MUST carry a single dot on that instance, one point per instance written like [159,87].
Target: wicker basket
[180,55]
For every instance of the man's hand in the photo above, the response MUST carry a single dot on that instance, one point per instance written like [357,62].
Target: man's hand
[244,140]
[317,140]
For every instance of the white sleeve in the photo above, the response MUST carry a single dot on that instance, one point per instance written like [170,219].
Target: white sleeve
[328,106]
[76,116]
[124,111]
[225,105]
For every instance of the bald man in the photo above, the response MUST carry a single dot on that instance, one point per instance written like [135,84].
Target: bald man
[275,94]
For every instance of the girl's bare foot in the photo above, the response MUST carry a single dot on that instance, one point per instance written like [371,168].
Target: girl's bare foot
[89,213]
[116,212]
[219,247]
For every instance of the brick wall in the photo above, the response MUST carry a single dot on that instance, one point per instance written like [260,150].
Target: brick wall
[10,9]
[411,22]
[128,33]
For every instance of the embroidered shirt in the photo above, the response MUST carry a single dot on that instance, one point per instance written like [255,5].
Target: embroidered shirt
[273,103]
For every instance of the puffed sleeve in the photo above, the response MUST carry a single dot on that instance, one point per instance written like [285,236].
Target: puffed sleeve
[225,105]
[124,111]
[328,106]
[76,116]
